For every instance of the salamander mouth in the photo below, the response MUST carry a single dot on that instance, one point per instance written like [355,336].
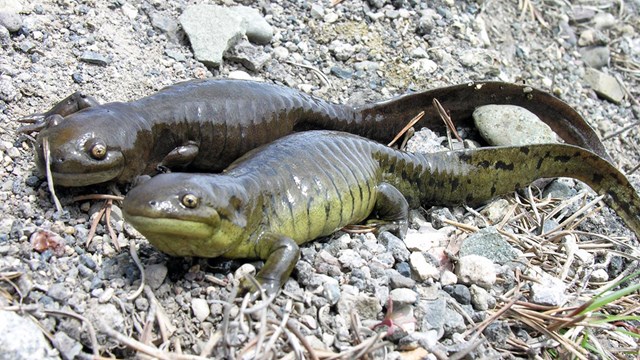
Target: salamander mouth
[75,170]
[84,179]
[176,237]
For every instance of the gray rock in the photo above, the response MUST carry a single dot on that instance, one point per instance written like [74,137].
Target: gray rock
[481,299]
[368,66]
[8,91]
[604,21]
[175,55]
[211,30]
[103,314]
[257,28]
[142,304]
[331,290]
[342,73]
[498,332]
[351,259]
[155,275]
[317,11]
[438,214]
[200,309]
[460,293]
[165,24]
[427,340]
[93,57]
[476,269]
[606,86]
[5,37]
[395,246]
[325,263]
[248,55]
[579,14]
[59,292]
[558,189]
[495,211]
[368,307]
[490,244]
[69,348]
[591,37]
[422,67]
[511,125]
[397,280]
[596,56]
[21,338]
[403,296]
[341,51]
[599,275]
[281,53]
[437,315]
[10,20]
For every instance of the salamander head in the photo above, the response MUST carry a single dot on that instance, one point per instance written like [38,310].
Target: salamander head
[189,214]
[84,149]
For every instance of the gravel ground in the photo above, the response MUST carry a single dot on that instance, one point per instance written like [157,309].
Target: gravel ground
[364,51]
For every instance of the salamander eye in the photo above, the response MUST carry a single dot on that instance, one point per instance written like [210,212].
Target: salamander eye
[98,151]
[190,201]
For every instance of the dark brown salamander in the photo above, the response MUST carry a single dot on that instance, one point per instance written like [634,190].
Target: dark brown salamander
[204,125]
[310,184]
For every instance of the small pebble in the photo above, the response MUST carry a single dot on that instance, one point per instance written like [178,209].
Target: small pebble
[155,275]
[548,291]
[200,309]
[403,296]
[423,269]
[476,269]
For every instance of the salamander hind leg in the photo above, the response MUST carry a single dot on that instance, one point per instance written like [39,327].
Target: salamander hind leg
[391,210]
[281,254]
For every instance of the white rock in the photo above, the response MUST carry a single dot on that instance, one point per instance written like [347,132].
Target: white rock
[448,278]
[548,291]
[423,269]
[281,53]
[403,296]
[599,275]
[239,75]
[476,269]
[423,67]
[129,11]
[200,309]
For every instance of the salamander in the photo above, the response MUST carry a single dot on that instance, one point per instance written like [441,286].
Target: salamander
[203,125]
[311,184]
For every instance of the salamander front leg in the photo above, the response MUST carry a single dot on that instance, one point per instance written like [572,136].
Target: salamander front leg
[281,254]
[391,209]
[181,156]
[67,106]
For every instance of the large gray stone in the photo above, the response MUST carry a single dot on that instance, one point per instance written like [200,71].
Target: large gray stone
[489,243]
[21,338]
[595,56]
[10,20]
[605,85]
[211,30]
[509,125]
[257,28]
